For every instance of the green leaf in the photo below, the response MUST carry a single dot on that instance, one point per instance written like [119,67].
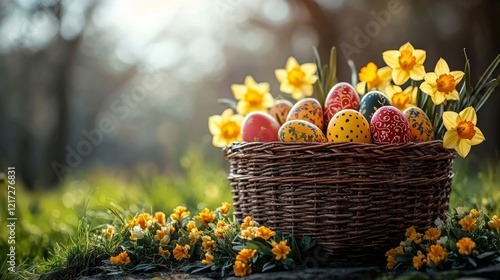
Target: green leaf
[325,81]
[307,243]
[472,261]
[332,80]
[268,266]
[354,73]
[259,246]
[239,248]
[317,60]
[488,72]
[486,255]
[487,94]
[288,263]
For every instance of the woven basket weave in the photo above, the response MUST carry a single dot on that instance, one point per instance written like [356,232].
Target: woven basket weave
[355,199]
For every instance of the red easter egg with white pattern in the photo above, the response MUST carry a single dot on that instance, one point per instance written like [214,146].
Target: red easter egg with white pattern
[342,96]
[259,127]
[307,109]
[389,125]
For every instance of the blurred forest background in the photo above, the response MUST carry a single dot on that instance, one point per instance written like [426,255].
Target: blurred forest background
[121,85]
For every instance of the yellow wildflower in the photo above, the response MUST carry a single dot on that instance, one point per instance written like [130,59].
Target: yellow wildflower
[372,77]
[225,128]
[468,223]
[207,243]
[194,235]
[462,132]
[248,233]
[224,209]
[120,259]
[280,250]
[206,216]
[402,99]
[441,84]
[160,218]
[494,223]
[265,233]
[190,225]
[407,63]
[208,259]
[164,253]
[181,252]
[162,236]
[437,255]
[391,260]
[179,213]
[252,96]
[246,255]
[144,220]
[296,79]
[465,246]
[172,229]
[418,260]
[474,213]
[221,229]
[108,232]
[241,269]
[136,233]
[247,223]
[432,234]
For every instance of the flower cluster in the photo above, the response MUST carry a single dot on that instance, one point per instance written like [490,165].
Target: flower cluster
[209,241]
[404,81]
[466,240]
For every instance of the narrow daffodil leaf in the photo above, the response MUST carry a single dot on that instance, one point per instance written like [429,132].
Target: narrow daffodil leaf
[354,73]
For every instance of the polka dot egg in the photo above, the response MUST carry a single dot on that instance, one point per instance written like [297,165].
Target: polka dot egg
[349,125]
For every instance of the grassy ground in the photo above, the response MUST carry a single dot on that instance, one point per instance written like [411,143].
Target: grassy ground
[52,219]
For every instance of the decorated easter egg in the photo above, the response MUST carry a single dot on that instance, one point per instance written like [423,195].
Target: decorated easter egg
[389,125]
[349,125]
[341,96]
[259,127]
[307,109]
[280,110]
[371,102]
[300,131]
[420,125]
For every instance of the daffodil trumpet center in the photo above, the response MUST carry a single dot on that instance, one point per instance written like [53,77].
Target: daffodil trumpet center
[407,60]
[400,99]
[296,76]
[230,130]
[253,97]
[445,83]
[465,130]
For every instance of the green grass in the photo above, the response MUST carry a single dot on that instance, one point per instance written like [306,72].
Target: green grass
[59,221]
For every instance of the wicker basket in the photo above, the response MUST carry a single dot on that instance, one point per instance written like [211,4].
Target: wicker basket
[355,199]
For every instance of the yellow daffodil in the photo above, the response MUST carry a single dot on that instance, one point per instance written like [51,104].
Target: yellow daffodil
[246,255]
[208,259]
[221,229]
[372,77]
[441,84]
[181,252]
[162,236]
[465,246]
[206,216]
[120,259]
[494,223]
[248,233]
[418,260]
[252,96]
[413,236]
[241,269]
[402,99]
[432,234]
[179,213]
[207,243]
[225,128]
[437,255]
[190,225]
[280,250]
[474,213]
[163,252]
[468,223]
[265,233]
[296,79]
[406,63]
[224,209]
[462,132]
[194,235]
[391,259]
[247,222]
[144,220]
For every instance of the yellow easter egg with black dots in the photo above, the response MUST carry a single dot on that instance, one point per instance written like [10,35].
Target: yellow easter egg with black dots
[349,126]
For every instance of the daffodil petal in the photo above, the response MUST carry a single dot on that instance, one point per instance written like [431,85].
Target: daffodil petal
[263,88]
[457,75]
[417,73]
[218,141]
[391,58]
[250,82]
[463,148]
[297,94]
[227,114]
[243,107]
[384,73]
[450,139]
[427,88]
[307,89]
[390,90]
[406,47]
[478,137]
[431,78]
[239,91]
[281,75]
[420,56]
[399,76]
[453,95]
[450,120]
[268,101]
[468,114]
[286,87]
[360,88]
[311,79]
[441,67]
[309,68]
[214,123]
[291,63]
[438,98]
